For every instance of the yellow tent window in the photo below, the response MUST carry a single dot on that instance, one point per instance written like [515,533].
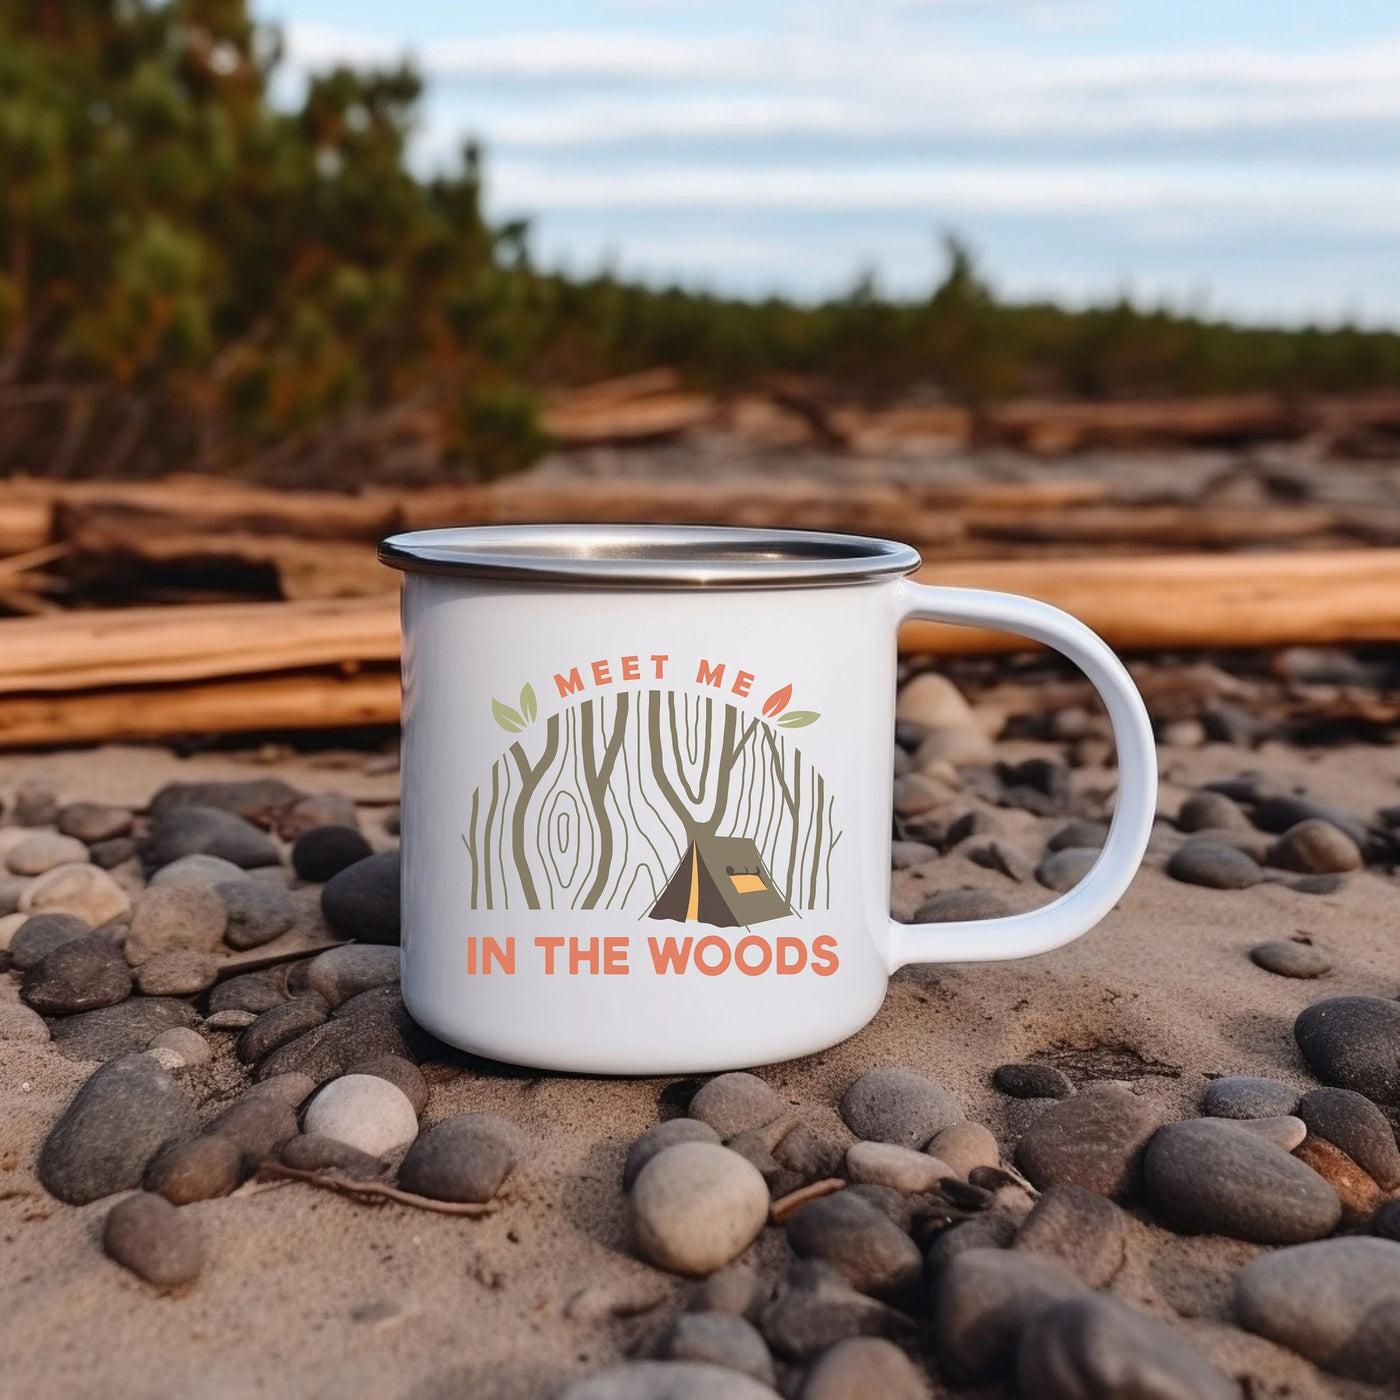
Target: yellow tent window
[748,884]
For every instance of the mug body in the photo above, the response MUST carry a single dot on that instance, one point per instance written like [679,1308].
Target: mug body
[645,829]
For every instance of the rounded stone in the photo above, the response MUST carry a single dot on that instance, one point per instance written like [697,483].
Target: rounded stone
[35,803]
[290,1089]
[1216,866]
[308,1152]
[1283,1131]
[962,1147]
[110,854]
[363,1111]
[1030,1080]
[865,1368]
[1353,1123]
[251,991]
[402,1074]
[1212,1176]
[196,830]
[84,891]
[1211,811]
[1078,835]
[964,746]
[1335,1302]
[341,973]
[1096,1347]
[667,1380]
[658,1138]
[900,1168]
[324,851]
[1358,1192]
[257,1124]
[188,1044]
[181,972]
[1248,1096]
[157,1242]
[696,1207]
[1353,1042]
[197,1169]
[1080,1230]
[11,887]
[464,1158]
[122,1029]
[899,1106]
[257,800]
[719,1339]
[1287,958]
[814,1307]
[207,872]
[40,934]
[1315,847]
[92,822]
[1062,870]
[279,1025]
[319,809]
[362,901]
[175,917]
[257,912]
[81,974]
[18,1022]
[1095,1139]
[957,906]
[933,701]
[858,1239]
[736,1102]
[43,851]
[115,1124]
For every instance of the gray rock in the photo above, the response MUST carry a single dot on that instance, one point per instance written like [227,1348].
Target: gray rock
[1353,1042]
[403,1074]
[1039,785]
[904,855]
[1247,1096]
[257,800]
[1336,1302]
[1096,1347]
[371,1024]
[18,1022]
[1063,870]
[974,822]
[718,1339]
[1211,811]
[1283,1131]
[696,1207]
[865,1368]
[1095,1139]
[362,901]
[257,911]
[984,1299]
[191,1047]
[206,872]
[1285,958]
[115,1124]
[468,1158]
[320,809]
[900,1168]
[992,1229]
[658,1138]
[1212,1176]
[964,1146]
[309,1153]
[257,1125]
[324,851]
[128,1026]
[107,855]
[11,888]
[734,1103]
[252,991]
[814,1307]
[857,1239]
[174,916]
[1083,1232]
[736,1289]
[92,822]
[38,936]
[43,851]
[1315,847]
[229,1020]
[82,890]
[197,1169]
[1078,835]
[1031,1080]
[1317,884]
[182,972]
[1350,1121]
[80,974]
[290,1089]
[341,973]
[279,1025]
[956,906]
[35,803]
[802,1152]
[1004,858]
[1279,813]
[157,1242]
[204,830]
[898,1105]
[1216,866]
[667,1380]
[363,1111]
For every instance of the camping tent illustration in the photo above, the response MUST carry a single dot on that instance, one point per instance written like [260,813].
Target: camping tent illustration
[721,880]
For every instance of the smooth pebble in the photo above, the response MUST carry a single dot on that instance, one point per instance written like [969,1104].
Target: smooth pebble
[466,1158]
[154,1240]
[658,1138]
[198,1169]
[43,851]
[857,1238]
[90,894]
[181,972]
[1216,866]
[1095,1139]
[1353,1042]
[80,974]
[257,912]
[1287,958]
[1353,1123]
[1248,1096]
[363,1111]
[735,1102]
[865,1368]
[899,1106]
[719,1339]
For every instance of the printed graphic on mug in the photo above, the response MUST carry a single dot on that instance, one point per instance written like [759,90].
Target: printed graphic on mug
[687,801]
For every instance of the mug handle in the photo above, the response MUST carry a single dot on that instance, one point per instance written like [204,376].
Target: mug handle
[1081,908]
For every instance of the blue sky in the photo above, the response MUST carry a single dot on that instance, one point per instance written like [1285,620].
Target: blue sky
[1240,156]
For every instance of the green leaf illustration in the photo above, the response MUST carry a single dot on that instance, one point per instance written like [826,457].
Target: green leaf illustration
[798,719]
[507,718]
[528,708]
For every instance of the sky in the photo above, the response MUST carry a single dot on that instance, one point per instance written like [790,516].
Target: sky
[1235,157]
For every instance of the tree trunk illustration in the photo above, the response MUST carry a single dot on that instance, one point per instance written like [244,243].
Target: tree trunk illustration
[529,780]
[598,777]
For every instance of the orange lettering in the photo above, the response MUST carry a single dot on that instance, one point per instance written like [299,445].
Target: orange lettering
[708,676]
[615,957]
[631,671]
[491,949]
[668,956]
[824,955]
[660,662]
[567,687]
[550,946]
[742,682]
[753,941]
[577,956]
[601,674]
[711,942]
[795,946]
[471,957]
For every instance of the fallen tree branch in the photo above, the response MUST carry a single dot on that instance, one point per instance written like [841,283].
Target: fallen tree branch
[376,1192]
[785,1206]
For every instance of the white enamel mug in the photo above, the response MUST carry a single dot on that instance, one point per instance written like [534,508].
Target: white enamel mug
[647,790]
